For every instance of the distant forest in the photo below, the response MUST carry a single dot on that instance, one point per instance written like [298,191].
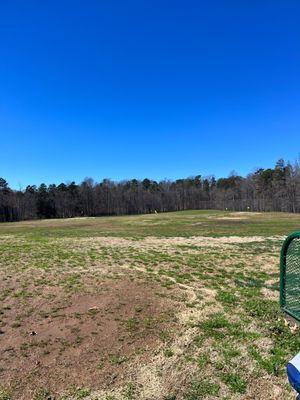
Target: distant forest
[272,189]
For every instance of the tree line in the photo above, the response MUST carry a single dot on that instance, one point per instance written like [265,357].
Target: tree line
[272,189]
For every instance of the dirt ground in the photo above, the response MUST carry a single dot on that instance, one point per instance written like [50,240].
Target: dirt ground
[82,340]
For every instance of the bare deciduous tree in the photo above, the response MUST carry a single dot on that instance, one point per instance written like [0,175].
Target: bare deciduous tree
[272,189]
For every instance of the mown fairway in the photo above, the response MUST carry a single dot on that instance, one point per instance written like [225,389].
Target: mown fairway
[175,306]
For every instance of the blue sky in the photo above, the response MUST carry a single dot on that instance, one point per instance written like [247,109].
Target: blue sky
[158,89]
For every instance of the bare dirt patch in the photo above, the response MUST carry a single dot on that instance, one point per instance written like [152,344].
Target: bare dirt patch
[82,340]
[231,218]
[151,242]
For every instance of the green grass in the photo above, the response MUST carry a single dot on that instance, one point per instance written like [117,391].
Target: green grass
[117,359]
[4,393]
[77,393]
[42,394]
[235,382]
[129,391]
[185,223]
[201,389]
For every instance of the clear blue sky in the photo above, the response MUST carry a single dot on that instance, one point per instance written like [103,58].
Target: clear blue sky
[123,89]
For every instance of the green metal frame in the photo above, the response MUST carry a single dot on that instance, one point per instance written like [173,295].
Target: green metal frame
[283,254]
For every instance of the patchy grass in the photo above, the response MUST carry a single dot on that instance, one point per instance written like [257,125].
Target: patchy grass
[185,223]
[201,389]
[4,393]
[175,306]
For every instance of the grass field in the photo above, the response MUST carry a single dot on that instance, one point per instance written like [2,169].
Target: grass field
[175,306]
